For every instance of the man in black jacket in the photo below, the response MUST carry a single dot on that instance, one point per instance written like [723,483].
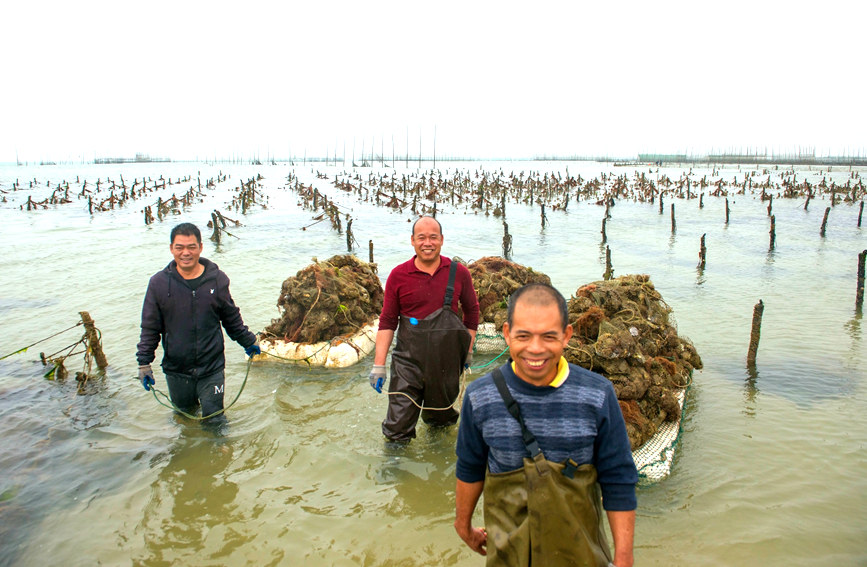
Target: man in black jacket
[185,305]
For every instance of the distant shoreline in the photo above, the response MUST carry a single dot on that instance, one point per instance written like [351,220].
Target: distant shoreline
[408,161]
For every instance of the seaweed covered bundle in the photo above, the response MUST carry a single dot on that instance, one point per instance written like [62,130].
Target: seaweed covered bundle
[327,299]
[495,279]
[624,330]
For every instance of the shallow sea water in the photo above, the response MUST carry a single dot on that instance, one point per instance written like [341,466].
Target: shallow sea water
[770,469]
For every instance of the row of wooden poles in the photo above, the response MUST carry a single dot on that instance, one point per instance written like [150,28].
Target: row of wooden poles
[120,193]
[248,196]
[484,190]
[462,185]
[538,189]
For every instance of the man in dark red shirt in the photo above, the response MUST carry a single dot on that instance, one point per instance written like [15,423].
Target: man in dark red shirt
[433,343]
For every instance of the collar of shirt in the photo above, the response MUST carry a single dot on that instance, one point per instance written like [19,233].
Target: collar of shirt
[444,263]
[562,373]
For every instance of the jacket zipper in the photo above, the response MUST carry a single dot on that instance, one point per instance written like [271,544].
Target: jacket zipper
[195,331]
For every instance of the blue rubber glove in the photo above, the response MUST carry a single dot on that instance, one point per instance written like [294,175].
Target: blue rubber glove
[377,377]
[469,361]
[253,349]
[146,375]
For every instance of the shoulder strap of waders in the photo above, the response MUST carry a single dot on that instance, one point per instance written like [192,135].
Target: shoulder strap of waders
[450,287]
[529,439]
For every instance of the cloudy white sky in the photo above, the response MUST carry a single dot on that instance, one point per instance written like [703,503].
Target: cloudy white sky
[189,79]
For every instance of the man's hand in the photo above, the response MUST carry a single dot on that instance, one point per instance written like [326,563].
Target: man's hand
[469,361]
[146,376]
[253,349]
[377,377]
[475,538]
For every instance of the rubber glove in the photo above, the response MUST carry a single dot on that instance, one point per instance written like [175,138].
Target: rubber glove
[377,377]
[253,349]
[146,375]
[469,361]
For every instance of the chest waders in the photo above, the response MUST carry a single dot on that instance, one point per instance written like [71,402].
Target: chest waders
[545,514]
[426,365]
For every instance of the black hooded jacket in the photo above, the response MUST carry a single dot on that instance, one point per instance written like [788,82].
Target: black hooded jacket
[188,321]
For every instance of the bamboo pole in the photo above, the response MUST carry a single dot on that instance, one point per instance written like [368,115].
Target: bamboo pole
[859,290]
[755,333]
[370,250]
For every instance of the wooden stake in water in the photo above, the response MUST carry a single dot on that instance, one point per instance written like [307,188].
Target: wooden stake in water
[755,333]
[825,221]
[215,237]
[773,230]
[609,271]
[370,250]
[94,345]
[860,214]
[673,222]
[604,236]
[727,210]
[702,253]
[349,236]
[859,290]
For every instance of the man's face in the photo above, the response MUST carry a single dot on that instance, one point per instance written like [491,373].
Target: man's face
[427,240]
[536,340]
[186,250]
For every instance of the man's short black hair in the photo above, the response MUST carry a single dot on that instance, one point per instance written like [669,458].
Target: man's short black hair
[426,217]
[186,229]
[539,294]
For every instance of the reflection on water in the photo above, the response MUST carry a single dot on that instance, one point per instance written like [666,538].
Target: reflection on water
[751,390]
[192,501]
[299,475]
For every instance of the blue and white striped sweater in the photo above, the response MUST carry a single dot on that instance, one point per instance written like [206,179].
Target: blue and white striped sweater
[580,419]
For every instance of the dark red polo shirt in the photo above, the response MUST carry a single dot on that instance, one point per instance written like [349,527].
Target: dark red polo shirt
[414,293]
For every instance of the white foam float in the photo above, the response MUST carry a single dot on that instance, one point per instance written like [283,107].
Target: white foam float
[339,352]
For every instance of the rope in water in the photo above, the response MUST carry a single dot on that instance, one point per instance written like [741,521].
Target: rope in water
[170,405]
[24,349]
[463,386]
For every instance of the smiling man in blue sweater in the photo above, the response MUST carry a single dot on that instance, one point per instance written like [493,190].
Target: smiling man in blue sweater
[547,463]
